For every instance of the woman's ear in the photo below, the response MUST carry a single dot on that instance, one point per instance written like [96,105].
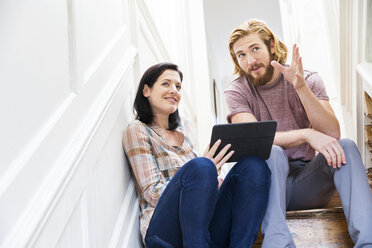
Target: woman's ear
[146,91]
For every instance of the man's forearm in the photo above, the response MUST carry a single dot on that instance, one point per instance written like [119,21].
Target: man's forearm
[321,119]
[291,138]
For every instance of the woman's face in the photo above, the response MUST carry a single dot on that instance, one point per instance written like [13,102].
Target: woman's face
[165,94]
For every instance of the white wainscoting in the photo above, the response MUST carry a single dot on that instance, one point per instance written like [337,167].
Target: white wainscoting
[68,76]
[63,177]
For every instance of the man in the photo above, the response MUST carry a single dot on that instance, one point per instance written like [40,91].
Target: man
[267,89]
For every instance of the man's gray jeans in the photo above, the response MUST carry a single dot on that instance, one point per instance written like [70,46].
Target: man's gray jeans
[300,185]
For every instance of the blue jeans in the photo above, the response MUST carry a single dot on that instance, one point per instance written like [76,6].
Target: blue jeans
[192,212]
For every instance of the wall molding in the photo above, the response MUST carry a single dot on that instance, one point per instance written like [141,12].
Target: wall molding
[25,155]
[146,15]
[127,210]
[105,53]
[35,215]
[152,45]
[71,18]
[132,228]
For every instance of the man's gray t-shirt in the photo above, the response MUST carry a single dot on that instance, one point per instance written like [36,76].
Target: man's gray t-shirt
[278,101]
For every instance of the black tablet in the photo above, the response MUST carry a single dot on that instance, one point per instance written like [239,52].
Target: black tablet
[246,138]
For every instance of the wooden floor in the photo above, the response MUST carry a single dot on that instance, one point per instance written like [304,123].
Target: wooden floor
[319,228]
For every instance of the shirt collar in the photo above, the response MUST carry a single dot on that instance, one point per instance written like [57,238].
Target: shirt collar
[159,131]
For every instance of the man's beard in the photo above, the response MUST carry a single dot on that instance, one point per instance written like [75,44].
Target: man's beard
[261,80]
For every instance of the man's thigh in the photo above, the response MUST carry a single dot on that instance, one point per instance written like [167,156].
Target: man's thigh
[310,186]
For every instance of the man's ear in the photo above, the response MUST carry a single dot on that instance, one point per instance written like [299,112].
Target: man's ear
[146,91]
[272,50]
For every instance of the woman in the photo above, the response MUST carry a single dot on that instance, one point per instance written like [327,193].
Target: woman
[180,201]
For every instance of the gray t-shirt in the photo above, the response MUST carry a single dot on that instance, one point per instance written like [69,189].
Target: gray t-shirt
[278,101]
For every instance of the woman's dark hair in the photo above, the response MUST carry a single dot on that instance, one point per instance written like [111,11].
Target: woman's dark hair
[142,104]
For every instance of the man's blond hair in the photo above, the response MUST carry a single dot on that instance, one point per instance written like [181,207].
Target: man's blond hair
[258,27]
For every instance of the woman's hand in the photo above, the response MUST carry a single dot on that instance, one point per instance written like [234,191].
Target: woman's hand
[221,157]
[220,181]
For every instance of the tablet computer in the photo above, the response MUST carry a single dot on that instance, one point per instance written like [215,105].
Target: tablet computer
[246,138]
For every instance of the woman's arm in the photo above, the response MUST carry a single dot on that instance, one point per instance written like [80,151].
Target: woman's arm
[137,147]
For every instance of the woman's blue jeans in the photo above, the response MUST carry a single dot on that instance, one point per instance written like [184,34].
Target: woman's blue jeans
[193,213]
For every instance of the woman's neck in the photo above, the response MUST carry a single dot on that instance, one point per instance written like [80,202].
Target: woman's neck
[172,137]
[162,121]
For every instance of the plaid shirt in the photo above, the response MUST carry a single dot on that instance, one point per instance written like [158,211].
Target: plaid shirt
[154,162]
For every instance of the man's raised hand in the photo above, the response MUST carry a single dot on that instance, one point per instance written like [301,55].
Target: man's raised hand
[294,73]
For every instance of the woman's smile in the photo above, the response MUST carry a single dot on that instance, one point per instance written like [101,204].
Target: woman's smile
[171,99]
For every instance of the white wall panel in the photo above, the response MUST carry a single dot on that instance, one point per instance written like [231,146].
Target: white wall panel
[99,25]
[126,231]
[75,234]
[148,55]
[108,187]
[43,187]
[34,71]
[104,143]
[68,76]
[58,152]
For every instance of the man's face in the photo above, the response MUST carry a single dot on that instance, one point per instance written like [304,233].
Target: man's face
[254,59]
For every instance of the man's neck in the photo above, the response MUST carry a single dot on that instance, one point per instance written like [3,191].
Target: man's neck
[274,77]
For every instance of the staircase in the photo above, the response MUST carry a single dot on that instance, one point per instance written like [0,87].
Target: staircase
[325,228]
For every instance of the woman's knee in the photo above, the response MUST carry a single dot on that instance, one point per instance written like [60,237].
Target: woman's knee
[256,170]
[201,169]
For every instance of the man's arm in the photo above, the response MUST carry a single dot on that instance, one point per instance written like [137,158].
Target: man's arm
[319,112]
[286,139]
[326,145]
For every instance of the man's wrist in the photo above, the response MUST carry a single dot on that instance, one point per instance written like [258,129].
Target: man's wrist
[305,134]
[301,86]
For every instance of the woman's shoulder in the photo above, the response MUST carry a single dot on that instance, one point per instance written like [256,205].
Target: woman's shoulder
[136,124]
[135,127]
[135,133]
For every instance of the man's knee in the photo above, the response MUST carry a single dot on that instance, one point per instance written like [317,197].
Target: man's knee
[277,152]
[347,144]
[278,161]
[352,154]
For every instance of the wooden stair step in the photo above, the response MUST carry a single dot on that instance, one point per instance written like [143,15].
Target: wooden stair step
[320,228]
[317,228]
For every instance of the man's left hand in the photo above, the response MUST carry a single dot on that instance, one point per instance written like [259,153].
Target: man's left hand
[294,73]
